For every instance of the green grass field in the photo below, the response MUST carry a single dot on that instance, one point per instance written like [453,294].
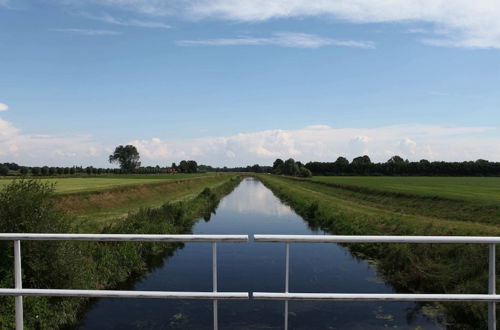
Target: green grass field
[96,183]
[484,189]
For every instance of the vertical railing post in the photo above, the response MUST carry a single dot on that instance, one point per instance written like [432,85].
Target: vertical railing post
[492,319]
[214,283]
[18,284]
[287,279]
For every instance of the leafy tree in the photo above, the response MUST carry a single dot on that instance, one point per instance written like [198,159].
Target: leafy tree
[362,160]
[342,161]
[127,157]
[192,166]
[35,170]
[278,166]
[290,167]
[183,166]
[256,168]
[45,170]
[396,160]
[23,170]
[4,170]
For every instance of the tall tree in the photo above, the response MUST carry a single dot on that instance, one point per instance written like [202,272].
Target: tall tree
[127,157]
[361,160]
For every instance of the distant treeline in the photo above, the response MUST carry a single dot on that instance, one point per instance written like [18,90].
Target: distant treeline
[399,166]
[185,166]
[359,166]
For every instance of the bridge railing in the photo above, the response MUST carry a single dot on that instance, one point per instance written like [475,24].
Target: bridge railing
[18,292]
[491,298]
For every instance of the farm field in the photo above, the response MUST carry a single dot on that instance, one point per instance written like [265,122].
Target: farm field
[83,184]
[478,189]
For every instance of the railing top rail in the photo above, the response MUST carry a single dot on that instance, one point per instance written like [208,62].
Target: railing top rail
[375,239]
[123,237]
[123,294]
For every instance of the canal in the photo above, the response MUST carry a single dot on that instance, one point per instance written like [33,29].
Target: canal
[250,267]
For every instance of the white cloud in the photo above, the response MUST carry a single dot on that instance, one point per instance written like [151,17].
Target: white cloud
[458,23]
[3,107]
[318,142]
[128,22]
[324,143]
[284,39]
[37,150]
[89,32]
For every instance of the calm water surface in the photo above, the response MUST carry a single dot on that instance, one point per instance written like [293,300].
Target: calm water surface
[244,267]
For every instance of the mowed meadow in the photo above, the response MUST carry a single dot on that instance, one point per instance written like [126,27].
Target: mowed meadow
[479,189]
[93,183]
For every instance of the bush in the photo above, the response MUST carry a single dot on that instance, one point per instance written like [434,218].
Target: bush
[304,172]
[28,206]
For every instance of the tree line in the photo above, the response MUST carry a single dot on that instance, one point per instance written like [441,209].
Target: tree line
[128,159]
[398,166]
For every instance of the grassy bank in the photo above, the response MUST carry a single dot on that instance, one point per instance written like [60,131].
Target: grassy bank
[429,268]
[104,182]
[87,265]
[92,210]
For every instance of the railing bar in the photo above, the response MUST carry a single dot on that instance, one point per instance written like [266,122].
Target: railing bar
[287,279]
[124,294]
[214,267]
[18,285]
[216,315]
[375,297]
[123,237]
[287,266]
[375,239]
[492,322]
[214,284]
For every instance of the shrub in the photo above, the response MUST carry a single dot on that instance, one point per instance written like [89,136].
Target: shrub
[28,206]
[304,172]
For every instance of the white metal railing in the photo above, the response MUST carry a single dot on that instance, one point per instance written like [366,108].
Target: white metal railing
[491,298]
[18,292]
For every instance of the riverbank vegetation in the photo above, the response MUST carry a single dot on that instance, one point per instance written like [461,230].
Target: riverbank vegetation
[426,268]
[93,209]
[32,206]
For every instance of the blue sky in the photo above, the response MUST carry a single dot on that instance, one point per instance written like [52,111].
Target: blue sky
[231,82]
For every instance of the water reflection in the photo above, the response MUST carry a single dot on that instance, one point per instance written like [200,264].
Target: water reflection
[258,267]
[258,201]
